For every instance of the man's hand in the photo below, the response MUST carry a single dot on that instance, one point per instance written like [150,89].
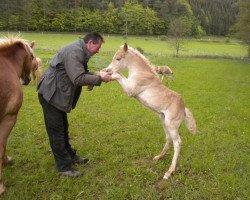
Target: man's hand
[105,76]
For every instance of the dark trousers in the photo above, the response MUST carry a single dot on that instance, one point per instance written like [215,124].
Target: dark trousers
[56,123]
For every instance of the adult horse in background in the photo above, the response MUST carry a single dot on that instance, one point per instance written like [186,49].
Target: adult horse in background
[164,71]
[16,57]
[144,84]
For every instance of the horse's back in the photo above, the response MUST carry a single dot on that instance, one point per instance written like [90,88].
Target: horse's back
[160,98]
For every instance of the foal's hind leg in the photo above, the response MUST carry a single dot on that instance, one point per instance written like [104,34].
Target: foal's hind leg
[6,126]
[174,134]
[168,140]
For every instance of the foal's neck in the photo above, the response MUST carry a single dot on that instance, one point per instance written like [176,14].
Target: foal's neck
[138,65]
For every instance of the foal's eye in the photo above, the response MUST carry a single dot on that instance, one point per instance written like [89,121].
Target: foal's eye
[118,59]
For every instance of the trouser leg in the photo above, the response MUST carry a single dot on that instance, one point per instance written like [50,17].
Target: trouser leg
[68,147]
[55,126]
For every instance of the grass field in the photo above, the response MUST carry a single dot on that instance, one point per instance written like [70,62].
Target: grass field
[49,43]
[121,137]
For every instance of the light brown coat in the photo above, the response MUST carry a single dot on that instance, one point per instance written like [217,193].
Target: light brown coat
[144,84]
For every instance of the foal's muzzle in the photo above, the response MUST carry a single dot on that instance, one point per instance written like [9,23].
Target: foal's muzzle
[109,69]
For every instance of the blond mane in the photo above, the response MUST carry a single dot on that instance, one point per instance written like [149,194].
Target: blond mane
[147,62]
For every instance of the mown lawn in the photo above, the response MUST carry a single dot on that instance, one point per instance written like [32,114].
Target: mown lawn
[121,137]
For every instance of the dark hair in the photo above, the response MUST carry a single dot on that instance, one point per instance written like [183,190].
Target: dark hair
[95,37]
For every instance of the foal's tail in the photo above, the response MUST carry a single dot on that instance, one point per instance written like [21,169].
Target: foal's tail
[190,121]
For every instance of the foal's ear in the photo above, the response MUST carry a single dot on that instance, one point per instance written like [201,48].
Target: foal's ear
[32,44]
[125,47]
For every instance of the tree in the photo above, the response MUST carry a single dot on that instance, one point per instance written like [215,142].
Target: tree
[215,16]
[243,24]
[179,28]
[109,19]
[144,17]
[140,21]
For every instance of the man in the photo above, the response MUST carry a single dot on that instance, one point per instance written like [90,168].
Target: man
[59,91]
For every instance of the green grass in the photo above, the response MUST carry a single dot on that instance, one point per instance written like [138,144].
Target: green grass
[47,43]
[121,137]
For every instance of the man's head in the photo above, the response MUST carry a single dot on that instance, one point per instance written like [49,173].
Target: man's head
[93,42]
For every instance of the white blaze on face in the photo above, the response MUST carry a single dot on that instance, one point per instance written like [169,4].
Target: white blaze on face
[111,67]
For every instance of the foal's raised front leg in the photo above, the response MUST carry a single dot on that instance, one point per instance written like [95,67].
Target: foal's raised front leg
[127,85]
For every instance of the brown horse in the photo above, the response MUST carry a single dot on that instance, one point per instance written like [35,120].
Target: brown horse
[16,57]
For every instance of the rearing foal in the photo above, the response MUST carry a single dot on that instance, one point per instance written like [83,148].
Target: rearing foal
[16,56]
[144,84]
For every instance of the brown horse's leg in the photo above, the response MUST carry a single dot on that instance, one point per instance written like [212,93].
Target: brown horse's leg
[6,126]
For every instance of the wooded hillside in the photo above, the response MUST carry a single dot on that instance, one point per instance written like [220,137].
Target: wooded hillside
[145,17]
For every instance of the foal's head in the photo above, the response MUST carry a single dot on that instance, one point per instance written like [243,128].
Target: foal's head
[119,62]
[127,57]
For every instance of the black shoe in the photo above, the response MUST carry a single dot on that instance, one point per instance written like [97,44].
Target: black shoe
[71,173]
[78,160]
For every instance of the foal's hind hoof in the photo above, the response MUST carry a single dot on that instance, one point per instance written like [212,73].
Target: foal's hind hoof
[158,157]
[167,175]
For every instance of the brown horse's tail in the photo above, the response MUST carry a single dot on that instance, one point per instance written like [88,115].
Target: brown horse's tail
[190,121]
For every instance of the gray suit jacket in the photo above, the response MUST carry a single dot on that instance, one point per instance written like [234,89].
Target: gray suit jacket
[62,82]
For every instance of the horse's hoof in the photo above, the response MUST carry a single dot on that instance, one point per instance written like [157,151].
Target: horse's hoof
[167,175]
[8,161]
[158,157]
